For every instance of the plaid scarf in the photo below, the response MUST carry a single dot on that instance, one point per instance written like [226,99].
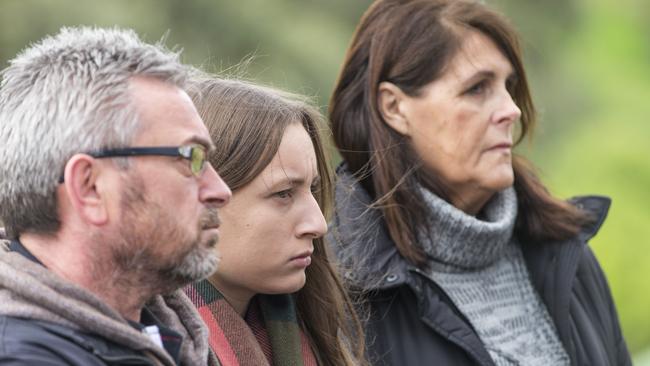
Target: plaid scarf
[269,334]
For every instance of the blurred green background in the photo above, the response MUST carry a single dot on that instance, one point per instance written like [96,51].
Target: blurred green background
[588,60]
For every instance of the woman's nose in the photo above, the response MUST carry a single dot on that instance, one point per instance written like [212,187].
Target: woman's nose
[313,223]
[508,111]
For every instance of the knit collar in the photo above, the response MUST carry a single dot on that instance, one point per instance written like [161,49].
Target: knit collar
[458,241]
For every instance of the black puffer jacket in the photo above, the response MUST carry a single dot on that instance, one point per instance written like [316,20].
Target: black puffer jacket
[29,342]
[413,322]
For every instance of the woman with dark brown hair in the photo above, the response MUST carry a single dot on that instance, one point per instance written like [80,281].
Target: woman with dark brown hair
[462,254]
[276,298]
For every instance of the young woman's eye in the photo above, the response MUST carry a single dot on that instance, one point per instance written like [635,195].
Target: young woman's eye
[284,194]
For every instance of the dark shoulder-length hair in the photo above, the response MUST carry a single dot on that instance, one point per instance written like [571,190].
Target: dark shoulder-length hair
[247,123]
[409,43]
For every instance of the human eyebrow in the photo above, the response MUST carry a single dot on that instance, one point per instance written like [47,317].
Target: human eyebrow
[314,181]
[288,181]
[477,77]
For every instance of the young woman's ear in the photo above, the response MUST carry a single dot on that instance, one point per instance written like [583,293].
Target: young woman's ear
[390,99]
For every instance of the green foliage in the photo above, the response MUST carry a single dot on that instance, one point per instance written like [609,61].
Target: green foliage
[606,150]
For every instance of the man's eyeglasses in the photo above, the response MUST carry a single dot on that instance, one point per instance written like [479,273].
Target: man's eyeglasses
[195,154]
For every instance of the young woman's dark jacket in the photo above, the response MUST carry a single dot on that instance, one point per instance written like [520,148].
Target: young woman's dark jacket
[413,322]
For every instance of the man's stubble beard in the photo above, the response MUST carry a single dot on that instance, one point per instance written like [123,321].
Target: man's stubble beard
[144,228]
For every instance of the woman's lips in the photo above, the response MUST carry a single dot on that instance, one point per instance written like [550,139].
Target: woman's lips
[501,146]
[302,260]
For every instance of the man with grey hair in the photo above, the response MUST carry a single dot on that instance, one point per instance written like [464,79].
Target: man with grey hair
[108,203]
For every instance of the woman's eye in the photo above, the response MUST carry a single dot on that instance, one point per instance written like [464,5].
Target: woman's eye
[477,88]
[287,193]
[511,84]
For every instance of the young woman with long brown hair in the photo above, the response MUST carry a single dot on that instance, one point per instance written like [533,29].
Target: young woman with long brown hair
[276,298]
[464,256]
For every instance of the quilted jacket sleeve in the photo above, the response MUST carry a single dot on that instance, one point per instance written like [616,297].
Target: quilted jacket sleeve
[595,317]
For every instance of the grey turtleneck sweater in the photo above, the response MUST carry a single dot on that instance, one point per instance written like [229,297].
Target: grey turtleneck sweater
[480,266]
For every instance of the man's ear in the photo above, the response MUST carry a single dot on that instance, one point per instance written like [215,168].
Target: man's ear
[80,182]
[390,99]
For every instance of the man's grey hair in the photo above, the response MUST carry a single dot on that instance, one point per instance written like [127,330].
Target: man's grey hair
[68,94]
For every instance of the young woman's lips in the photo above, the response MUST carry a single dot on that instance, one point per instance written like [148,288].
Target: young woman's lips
[303,260]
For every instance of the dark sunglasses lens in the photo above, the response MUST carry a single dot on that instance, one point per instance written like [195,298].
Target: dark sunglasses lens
[197,160]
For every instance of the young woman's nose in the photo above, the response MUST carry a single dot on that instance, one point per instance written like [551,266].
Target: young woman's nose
[313,223]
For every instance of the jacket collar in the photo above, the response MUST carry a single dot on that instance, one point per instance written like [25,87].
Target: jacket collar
[553,266]
[358,233]
[17,246]
[539,257]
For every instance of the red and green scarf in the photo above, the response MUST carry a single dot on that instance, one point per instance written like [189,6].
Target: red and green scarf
[269,334]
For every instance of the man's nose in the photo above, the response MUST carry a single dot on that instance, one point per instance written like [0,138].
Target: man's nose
[214,189]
